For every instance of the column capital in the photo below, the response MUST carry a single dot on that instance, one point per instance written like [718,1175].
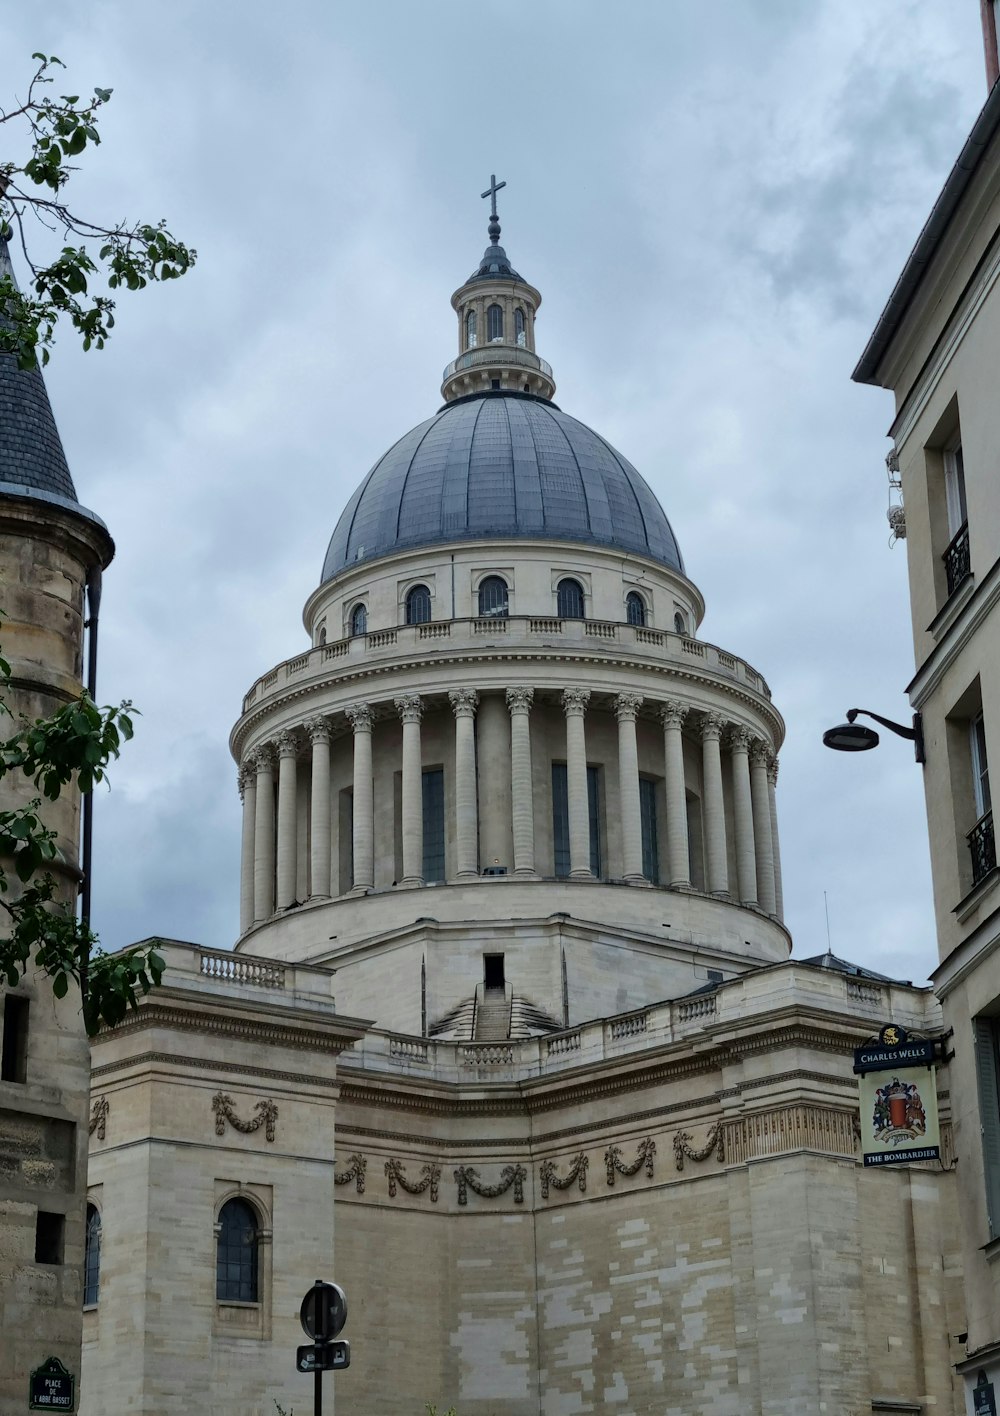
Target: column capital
[760,753]
[673,713]
[627,706]
[519,700]
[318,729]
[409,707]
[359,715]
[574,701]
[739,738]
[463,702]
[287,744]
[712,725]
[772,771]
[246,773]
[262,758]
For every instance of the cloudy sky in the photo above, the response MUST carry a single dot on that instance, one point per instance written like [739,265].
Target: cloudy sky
[715,200]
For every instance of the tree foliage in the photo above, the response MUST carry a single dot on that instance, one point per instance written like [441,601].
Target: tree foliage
[71,749]
[56,129]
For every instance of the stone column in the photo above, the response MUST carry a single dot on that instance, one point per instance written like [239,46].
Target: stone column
[410,709]
[288,746]
[319,807]
[463,702]
[713,806]
[575,702]
[248,796]
[746,867]
[759,758]
[678,851]
[522,797]
[772,782]
[496,846]
[263,836]
[627,706]
[363,845]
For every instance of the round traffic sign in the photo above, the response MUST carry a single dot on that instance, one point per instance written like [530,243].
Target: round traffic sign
[324,1311]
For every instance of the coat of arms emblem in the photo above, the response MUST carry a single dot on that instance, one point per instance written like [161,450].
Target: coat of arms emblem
[898,1115]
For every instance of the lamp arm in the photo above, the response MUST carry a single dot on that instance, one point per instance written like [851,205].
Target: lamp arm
[897,728]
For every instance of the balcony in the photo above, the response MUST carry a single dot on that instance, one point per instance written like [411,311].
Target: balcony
[516,634]
[956,559]
[497,353]
[983,848]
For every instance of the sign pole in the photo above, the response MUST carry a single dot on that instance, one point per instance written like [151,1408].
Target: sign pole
[318,1392]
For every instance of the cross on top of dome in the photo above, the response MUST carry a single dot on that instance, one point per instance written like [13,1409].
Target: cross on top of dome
[493,229]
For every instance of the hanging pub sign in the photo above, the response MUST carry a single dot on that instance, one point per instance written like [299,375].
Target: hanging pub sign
[898,1084]
[983,1398]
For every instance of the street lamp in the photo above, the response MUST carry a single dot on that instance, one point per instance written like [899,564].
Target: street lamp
[856,737]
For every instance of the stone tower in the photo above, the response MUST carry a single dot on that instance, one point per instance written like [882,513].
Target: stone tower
[50,546]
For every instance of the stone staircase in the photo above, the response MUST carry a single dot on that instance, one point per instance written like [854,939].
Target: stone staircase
[493,1016]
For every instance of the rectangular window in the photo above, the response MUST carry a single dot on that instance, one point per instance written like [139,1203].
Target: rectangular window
[988,1077]
[433,799]
[49,1231]
[980,766]
[957,564]
[14,1057]
[650,844]
[560,819]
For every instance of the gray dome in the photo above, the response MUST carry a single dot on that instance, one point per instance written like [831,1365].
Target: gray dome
[501,464]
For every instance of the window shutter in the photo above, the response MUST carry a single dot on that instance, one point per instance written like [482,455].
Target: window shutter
[989,1115]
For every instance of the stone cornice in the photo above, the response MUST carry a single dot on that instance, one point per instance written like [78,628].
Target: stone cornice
[233,1018]
[209,1065]
[360,678]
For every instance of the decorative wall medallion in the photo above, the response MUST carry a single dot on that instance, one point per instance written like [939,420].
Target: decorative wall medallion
[713,1142]
[355,1171]
[99,1116]
[613,1161]
[577,1172]
[267,1114]
[396,1175]
[467,1178]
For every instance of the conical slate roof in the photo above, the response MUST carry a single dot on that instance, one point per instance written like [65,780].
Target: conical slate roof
[31,451]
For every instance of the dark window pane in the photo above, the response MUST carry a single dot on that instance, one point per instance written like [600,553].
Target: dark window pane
[418,605]
[359,620]
[493,597]
[650,846]
[635,609]
[494,322]
[92,1257]
[236,1265]
[560,819]
[593,802]
[569,600]
[433,794]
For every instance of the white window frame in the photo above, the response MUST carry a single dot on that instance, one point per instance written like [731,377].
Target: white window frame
[980,767]
[954,487]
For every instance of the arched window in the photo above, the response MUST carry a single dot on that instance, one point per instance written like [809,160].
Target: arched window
[236,1279]
[322,634]
[569,600]
[92,1257]
[471,339]
[359,620]
[635,608]
[494,323]
[519,326]
[418,605]
[679,625]
[493,597]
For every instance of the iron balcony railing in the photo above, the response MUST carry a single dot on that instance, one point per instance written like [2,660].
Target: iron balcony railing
[983,847]
[956,559]
[498,353]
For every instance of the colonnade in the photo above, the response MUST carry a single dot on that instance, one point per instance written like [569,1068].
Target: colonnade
[269,864]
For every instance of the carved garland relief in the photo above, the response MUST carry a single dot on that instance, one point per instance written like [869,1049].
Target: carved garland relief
[267,1114]
[99,1117]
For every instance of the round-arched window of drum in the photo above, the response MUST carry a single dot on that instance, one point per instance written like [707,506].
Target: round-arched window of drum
[679,626]
[418,605]
[519,326]
[494,323]
[92,1257]
[236,1277]
[493,601]
[635,608]
[470,330]
[569,600]
[359,620]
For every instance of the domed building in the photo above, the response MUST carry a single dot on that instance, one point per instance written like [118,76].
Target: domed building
[511,1045]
